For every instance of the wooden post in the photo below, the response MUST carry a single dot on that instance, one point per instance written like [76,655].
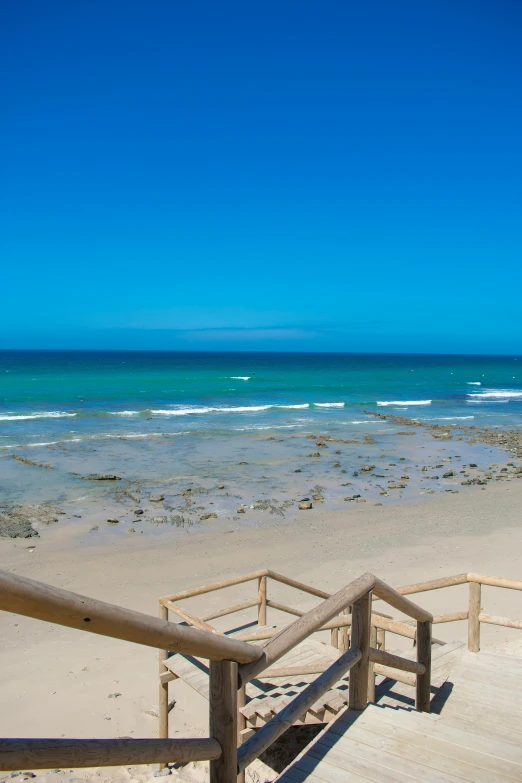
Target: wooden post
[241,724]
[261,611]
[344,642]
[381,639]
[223,703]
[473,617]
[422,700]
[371,674]
[358,683]
[163,697]
[334,637]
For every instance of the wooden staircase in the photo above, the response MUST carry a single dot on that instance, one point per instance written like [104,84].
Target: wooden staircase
[267,695]
[473,733]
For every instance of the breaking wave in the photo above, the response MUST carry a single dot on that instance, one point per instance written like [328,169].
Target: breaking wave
[405,403]
[43,415]
[500,394]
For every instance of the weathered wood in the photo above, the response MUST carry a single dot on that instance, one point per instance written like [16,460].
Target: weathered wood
[496,581]
[473,617]
[371,673]
[334,637]
[163,687]
[290,636]
[395,674]
[396,661]
[358,687]
[398,601]
[163,695]
[433,584]
[298,585]
[381,639]
[237,580]
[167,676]
[284,608]
[344,640]
[259,742]
[297,671]
[18,754]
[422,699]
[261,597]
[43,602]
[450,618]
[505,621]
[189,618]
[231,610]
[223,713]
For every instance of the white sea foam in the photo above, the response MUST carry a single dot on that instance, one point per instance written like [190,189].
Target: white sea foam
[405,403]
[366,421]
[124,413]
[474,383]
[295,407]
[500,394]
[452,418]
[240,377]
[43,415]
[190,411]
[329,404]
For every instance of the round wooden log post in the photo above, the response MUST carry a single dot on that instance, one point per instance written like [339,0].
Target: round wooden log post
[473,617]
[381,639]
[334,637]
[371,673]
[223,708]
[241,724]
[422,700]
[344,641]
[261,612]
[358,683]
[163,698]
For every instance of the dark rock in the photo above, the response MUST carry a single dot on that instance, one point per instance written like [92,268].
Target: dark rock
[315,454]
[208,516]
[101,477]
[298,470]
[113,521]
[473,465]
[138,511]
[221,486]
[448,474]
[241,511]
[156,498]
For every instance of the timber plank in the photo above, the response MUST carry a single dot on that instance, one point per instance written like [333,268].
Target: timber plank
[399,743]
[342,752]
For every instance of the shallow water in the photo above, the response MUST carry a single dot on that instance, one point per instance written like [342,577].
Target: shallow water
[172,419]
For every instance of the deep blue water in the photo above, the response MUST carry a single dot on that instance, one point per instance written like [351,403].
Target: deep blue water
[70,395]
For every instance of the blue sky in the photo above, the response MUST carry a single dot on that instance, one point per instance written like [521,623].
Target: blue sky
[262,175]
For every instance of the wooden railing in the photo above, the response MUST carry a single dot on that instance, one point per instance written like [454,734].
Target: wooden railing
[233,661]
[473,613]
[34,599]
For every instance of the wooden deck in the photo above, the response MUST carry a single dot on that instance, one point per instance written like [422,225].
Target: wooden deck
[474,732]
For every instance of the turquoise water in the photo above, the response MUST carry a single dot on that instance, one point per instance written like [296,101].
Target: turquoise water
[72,395]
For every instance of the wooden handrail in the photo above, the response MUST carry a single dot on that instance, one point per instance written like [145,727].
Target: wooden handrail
[433,584]
[400,603]
[285,580]
[495,581]
[52,753]
[237,580]
[396,662]
[54,605]
[310,622]
[277,725]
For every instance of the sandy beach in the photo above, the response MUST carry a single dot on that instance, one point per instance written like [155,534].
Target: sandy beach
[59,682]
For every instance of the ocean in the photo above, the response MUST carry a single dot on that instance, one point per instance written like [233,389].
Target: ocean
[158,416]
[71,395]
